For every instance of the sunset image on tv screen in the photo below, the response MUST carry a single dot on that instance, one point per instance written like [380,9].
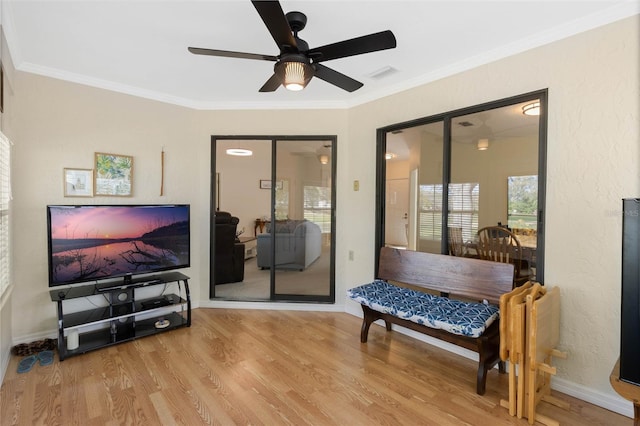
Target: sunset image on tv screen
[97,242]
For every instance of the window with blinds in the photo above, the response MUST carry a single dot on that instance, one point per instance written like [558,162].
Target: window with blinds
[5,197]
[430,212]
[522,207]
[317,206]
[463,210]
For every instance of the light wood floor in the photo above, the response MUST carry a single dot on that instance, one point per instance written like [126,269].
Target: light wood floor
[272,368]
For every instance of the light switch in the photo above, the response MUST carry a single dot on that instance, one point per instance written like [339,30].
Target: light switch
[356,185]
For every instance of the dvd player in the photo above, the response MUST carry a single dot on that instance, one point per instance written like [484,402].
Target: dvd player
[157,302]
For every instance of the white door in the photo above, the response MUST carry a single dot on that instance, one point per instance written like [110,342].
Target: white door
[396,212]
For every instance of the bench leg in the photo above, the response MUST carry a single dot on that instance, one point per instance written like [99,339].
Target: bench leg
[481,382]
[488,350]
[369,317]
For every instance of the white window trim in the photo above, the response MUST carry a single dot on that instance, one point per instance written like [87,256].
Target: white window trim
[6,282]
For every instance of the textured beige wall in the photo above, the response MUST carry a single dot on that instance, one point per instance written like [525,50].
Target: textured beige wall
[59,124]
[593,162]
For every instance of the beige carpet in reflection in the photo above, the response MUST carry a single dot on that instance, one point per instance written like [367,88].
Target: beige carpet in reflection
[312,281]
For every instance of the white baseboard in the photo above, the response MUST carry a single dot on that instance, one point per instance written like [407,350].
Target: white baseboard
[612,402]
[4,364]
[275,306]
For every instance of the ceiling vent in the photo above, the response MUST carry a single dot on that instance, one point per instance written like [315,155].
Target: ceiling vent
[382,72]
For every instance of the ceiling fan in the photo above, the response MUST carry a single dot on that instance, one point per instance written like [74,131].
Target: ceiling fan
[297,64]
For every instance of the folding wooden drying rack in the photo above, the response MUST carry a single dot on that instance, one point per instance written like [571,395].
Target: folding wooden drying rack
[529,334]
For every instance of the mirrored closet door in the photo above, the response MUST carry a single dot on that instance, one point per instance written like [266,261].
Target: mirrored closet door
[275,196]
[441,179]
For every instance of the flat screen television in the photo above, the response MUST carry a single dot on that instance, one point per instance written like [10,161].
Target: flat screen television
[99,242]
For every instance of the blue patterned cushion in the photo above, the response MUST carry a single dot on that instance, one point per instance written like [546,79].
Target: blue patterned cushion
[454,316]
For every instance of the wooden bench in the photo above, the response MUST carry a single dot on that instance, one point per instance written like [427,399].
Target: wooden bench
[454,278]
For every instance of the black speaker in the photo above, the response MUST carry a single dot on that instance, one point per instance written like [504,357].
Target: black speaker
[630,312]
[121,296]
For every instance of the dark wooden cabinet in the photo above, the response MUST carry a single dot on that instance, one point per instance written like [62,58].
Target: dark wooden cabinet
[630,311]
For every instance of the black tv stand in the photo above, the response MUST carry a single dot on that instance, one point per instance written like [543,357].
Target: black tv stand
[124,318]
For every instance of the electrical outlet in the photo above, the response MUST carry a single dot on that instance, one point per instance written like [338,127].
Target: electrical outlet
[356,185]
[350,254]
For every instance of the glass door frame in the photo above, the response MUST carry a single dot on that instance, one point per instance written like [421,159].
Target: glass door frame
[446,119]
[330,298]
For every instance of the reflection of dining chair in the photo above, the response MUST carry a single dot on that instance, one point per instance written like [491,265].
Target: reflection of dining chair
[498,244]
[456,243]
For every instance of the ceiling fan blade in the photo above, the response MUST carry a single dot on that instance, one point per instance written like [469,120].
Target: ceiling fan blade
[272,84]
[336,78]
[273,17]
[355,46]
[230,54]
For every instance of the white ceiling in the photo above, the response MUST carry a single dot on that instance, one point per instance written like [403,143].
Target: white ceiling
[140,47]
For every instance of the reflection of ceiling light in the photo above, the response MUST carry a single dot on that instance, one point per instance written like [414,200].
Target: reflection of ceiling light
[483,144]
[324,154]
[295,72]
[531,109]
[239,152]
[389,155]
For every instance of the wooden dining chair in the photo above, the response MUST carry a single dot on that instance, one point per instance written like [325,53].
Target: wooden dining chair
[498,244]
[456,243]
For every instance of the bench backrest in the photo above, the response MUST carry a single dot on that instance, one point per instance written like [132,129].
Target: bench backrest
[472,278]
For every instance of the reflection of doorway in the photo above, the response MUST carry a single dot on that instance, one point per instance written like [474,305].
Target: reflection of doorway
[397,213]
[283,197]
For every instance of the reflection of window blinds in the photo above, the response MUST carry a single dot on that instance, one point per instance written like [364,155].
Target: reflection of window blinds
[5,197]
[317,206]
[430,215]
[463,208]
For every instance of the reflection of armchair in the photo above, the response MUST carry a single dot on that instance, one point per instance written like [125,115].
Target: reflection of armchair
[498,244]
[298,244]
[228,257]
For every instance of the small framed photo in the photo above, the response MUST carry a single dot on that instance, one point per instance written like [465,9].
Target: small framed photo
[265,184]
[114,175]
[78,182]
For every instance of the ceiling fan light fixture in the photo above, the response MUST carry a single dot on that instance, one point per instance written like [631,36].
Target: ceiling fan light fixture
[531,109]
[483,144]
[295,72]
[240,152]
[323,158]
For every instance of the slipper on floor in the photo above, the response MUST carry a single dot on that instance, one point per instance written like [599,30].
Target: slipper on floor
[27,363]
[46,358]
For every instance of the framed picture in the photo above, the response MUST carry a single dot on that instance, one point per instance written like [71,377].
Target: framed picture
[265,184]
[114,175]
[78,182]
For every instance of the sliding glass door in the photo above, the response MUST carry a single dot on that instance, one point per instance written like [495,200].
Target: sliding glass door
[283,197]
